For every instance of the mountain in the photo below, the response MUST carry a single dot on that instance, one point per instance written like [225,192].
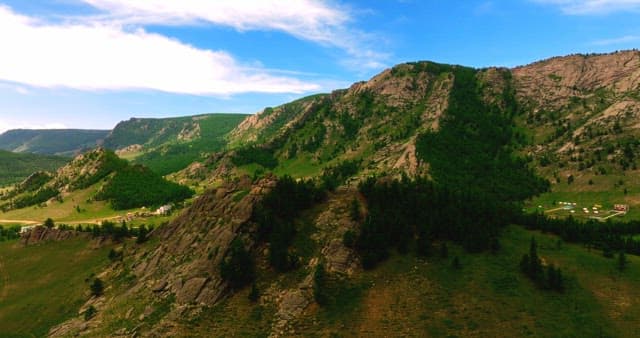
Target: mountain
[16,167]
[124,185]
[395,207]
[62,142]
[165,145]
[580,114]
[171,144]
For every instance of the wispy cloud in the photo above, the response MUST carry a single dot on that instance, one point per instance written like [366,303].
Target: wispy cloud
[616,41]
[106,56]
[322,22]
[7,125]
[591,7]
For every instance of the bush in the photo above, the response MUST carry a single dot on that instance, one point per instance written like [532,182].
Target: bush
[90,312]
[349,239]
[49,223]
[97,287]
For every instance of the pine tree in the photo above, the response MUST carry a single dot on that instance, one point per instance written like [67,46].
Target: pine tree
[444,250]
[456,263]
[90,312]
[319,285]
[238,267]
[97,287]
[622,261]
[254,295]
[142,234]
[49,223]
[355,210]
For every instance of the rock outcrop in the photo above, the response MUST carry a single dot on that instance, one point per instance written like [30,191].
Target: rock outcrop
[39,234]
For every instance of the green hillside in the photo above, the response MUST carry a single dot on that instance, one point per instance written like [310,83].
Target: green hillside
[168,145]
[112,179]
[16,167]
[401,206]
[63,142]
[43,285]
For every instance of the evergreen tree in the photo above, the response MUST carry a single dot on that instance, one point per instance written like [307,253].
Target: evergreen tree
[444,250]
[355,210]
[319,285]
[142,234]
[238,267]
[49,223]
[456,263]
[622,261]
[254,295]
[90,312]
[97,287]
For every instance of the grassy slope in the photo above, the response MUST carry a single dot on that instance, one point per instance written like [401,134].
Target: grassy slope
[66,211]
[92,212]
[163,152]
[16,167]
[43,285]
[605,190]
[488,297]
[56,142]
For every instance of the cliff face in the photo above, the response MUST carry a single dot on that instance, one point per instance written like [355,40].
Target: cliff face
[582,114]
[40,234]
[550,84]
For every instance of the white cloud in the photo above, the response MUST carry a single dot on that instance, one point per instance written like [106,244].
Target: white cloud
[588,7]
[322,22]
[8,125]
[104,56]
[307,19]
[616,41]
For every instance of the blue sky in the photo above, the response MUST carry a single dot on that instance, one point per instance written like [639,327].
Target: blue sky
[92,63]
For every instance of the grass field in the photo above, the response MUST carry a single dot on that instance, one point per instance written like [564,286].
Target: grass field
[587,199]
[486,297]
[66,211]
[43,285]
[589,189]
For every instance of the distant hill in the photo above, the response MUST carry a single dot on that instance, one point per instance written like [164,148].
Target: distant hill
[125,185]
[16,167]
[171,144]
[62,142]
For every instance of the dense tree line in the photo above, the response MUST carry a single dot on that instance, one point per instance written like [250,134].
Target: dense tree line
[254,154]
[549,278]
[136,186]
[274,217]
[115,231]
[108,164]
[334,176]
[276,213]
[9,233]
[35,198]
[409,214]
[473,150]
[15,167]
[607,236]
[238,267]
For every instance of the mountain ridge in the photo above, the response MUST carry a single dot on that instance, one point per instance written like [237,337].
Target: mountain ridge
[458,146]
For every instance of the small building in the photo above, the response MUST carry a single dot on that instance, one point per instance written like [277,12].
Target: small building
[621,207]
[26,228]
[164,210]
